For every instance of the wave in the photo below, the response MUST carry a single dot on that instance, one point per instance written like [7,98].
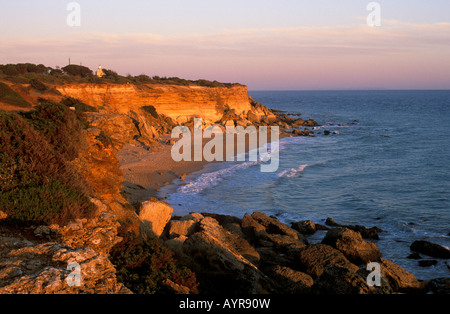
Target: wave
[211,179]
[292,172]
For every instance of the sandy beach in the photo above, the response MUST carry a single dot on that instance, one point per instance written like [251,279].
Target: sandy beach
[147,171]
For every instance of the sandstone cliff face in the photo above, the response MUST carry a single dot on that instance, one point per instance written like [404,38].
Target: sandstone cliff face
[180,103]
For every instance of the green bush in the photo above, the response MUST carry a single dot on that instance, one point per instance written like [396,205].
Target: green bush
[9,96]
[143,266]
[77,70]
[37,185]
[38,85]
[78,105]
[73,74]
[60,126]
[44,203]
[106,140]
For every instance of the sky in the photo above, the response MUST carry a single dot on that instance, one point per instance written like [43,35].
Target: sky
[264,44]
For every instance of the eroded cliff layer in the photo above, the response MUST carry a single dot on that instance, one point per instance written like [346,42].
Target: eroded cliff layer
[180,103]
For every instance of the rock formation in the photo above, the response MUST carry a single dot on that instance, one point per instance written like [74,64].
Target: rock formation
[260,254]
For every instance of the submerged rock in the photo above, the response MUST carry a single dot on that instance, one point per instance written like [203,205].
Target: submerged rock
[428,263]
[305,227]
[430,249]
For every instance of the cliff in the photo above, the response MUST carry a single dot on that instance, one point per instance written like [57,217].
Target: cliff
[180,103]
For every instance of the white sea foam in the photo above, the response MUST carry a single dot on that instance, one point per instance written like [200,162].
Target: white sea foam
[211,179]
[290,173]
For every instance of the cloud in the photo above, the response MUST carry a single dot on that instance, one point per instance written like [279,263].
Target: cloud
[286,50]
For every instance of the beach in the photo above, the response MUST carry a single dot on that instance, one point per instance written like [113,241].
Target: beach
[146,172]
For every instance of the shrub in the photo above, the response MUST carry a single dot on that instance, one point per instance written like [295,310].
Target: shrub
[77,70]
[10,69]
[44,203]
[36,84]
[37,185]
[60,126]
[143,266]
[106,140]
[9,96]
[78,105]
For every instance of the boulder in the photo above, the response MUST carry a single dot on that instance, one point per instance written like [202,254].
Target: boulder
[314,259]
[304,227]
[351,244]
[155,215]
[274,226]
[414,256]
[264,231]
[177,228]
[310,122]
[366,233]
[321,227]
[400,279]
[232,240]
[430,249]
[339,280]
[253,230]
[330,222]
[219,256]
[44,269]
[440,286]
[298,123]
[223,219]
[291,281]
[428,263]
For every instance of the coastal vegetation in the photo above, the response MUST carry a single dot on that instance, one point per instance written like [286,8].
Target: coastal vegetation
[41,186]
[38,183]
[27,73]
[9,96]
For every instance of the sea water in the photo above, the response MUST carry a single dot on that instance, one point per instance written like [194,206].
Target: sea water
[385,164]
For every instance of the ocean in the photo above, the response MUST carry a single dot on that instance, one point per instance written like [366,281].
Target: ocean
[385,164]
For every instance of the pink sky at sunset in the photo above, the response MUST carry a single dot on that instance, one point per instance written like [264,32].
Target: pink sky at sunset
[396,55]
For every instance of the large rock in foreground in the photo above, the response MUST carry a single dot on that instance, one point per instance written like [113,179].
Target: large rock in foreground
[155,215]
[217,257]
[52,268]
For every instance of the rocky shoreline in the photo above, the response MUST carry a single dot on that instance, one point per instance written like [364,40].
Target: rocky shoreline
[255,254]
[258,254]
